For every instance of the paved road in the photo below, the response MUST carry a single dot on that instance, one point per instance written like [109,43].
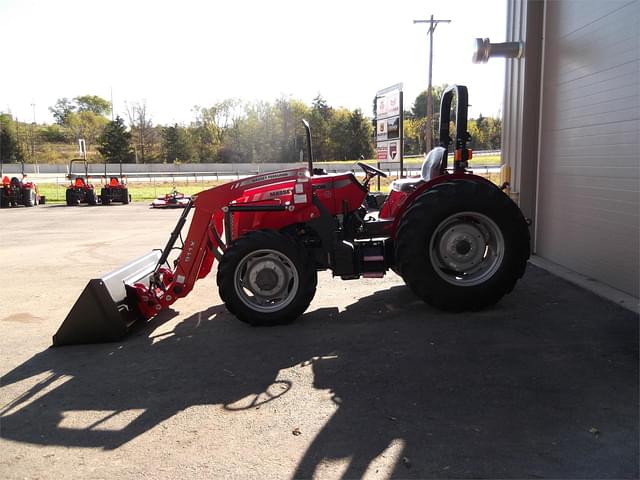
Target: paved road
[368,383]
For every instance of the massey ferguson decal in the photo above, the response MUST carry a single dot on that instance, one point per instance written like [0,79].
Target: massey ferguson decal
[269,176]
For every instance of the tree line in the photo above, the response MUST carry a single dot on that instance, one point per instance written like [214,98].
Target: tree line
[230,131]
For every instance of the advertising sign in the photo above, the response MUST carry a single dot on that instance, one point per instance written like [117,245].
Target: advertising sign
[388,151]
[389,135]
[381,130]
[388,105]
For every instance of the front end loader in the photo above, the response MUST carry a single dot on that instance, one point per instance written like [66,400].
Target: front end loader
[458,241]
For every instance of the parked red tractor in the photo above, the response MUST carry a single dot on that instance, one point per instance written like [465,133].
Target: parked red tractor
[115,188]
[14,191]
[457,240]
[80,190]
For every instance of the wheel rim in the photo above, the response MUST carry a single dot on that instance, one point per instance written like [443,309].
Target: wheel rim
[266,280]
[466,249]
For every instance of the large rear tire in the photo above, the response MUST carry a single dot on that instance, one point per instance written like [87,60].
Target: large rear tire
[462,245]
[125,196]
[29,198]
[70,197]
[91,197]
[266,278]
[105,197]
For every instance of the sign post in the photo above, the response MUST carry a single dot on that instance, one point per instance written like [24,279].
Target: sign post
[83,148]
[389,126]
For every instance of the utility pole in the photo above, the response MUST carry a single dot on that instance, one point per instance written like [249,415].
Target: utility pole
[428,136]
[112,117]
[33,137]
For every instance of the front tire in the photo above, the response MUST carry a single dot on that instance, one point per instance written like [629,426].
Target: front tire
[266,278]
[462,245]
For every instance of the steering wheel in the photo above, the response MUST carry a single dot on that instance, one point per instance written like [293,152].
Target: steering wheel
[371,171]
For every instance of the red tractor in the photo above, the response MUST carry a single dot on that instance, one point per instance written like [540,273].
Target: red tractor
[458,241]
[115,190]
[80,190]
[14,192]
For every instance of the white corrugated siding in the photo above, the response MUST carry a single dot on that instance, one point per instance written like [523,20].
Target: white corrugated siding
[589,164]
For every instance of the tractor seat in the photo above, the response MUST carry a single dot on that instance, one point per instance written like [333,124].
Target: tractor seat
[114,182]
[430,169]
[406,185]
[79,182]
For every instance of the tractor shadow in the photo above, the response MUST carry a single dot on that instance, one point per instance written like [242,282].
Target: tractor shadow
[513,391]
[527,388]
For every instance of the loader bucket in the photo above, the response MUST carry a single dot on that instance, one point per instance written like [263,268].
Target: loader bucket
[105,312]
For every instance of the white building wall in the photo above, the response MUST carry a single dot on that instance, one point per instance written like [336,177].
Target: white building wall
[588,185]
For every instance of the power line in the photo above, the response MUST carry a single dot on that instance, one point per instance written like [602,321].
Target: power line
[429,128]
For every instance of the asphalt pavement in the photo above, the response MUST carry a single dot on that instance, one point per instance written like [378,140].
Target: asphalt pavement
[369,382]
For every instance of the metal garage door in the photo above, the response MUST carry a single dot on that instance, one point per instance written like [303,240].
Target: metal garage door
[589,167]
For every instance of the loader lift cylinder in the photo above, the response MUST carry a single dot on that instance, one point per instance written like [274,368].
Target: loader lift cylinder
[174,235]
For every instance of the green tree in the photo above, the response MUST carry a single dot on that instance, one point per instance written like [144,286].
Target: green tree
[176,144]
[85,103]
[494,133]
[351,135]
[115,142]
[10,149]
[83,117]
[92,103]
[486,133]
[86,125]
[419,111]
[419,108]
[62,109]
[414,135]
[212,128]
[321,118]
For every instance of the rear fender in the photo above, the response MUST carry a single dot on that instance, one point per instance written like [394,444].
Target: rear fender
[400,205]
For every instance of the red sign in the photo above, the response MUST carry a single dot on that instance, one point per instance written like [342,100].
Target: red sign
[381,153]
[393,150]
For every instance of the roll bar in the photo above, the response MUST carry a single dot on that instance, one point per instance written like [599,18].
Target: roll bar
[461,153]
[86,167]
[105,170]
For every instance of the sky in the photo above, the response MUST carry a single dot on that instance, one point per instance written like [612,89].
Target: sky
[175,55]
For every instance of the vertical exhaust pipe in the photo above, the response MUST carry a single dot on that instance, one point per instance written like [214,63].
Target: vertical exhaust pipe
[307,127]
